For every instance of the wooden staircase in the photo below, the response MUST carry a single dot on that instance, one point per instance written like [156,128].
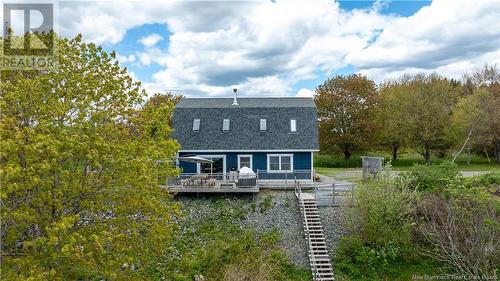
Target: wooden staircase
[319,259]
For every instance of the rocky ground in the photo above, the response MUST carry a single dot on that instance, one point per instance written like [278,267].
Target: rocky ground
[331,219]
[271,210]
[283,215]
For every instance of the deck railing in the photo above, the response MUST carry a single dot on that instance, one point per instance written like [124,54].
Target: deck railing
[213,180]
[284,178]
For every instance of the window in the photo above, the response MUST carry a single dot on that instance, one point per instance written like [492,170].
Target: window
[280,162]
[274,163]
[245,161]
[263,124]
[286,163]
[196,125]
[293,125]
[225,125]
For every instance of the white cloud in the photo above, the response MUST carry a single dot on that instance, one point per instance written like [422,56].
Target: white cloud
[153,55]
[279,43]
[125,59]
[150,40]
[264,47]
[446,37]
[306,93]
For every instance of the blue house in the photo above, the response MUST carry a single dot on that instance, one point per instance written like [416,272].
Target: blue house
[275,137]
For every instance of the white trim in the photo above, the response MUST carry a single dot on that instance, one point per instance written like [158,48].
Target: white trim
[280,170]
[312,166]
[198,166]
[251,150]
[245,155]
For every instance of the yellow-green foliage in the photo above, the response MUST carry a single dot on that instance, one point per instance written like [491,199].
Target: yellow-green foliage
[79,170]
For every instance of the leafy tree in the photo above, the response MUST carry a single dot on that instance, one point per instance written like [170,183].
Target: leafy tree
[469,117]
[477,117]
[427,111]
[346,106]
[168,99]
[391,127]
[80,167]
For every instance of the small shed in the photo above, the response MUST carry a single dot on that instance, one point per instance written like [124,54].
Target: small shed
[371,166]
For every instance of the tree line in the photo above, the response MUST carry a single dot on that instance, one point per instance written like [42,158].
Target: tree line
[428,113]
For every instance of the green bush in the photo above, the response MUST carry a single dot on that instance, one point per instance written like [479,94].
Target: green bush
[266,204]
[405,162]
[489,179]
[488,182]
[362,261]
[435,177]
[381,224]
[462,226]
[328,161]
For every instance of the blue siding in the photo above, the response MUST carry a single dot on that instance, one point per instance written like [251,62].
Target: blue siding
[301,161]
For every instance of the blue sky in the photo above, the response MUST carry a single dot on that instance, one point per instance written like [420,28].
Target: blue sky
[401,8]
[277,48]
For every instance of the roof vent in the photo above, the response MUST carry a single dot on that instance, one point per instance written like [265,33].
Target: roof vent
[235,99]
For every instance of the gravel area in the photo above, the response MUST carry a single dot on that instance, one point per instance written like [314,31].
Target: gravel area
[284,216]
[278,212]
[270,210]
[331,219]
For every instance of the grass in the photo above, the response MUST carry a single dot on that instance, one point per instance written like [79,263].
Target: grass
[332,165]
[339,173]
[472,167]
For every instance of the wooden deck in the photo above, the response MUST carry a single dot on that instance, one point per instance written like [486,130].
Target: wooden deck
[212,189]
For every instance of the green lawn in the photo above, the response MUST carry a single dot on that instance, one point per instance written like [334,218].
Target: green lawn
[464,167]
[333,172]
[335,164]
[354,174]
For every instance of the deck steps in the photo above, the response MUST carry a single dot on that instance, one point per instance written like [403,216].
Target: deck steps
[319,259]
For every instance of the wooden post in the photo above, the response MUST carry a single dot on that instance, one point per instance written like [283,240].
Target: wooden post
[333,194]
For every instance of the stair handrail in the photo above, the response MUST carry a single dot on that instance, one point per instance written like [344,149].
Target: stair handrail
[312,258]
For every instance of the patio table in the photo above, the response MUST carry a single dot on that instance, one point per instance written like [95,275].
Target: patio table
[201,178]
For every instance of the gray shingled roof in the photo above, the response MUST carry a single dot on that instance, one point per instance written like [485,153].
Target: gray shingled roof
[244,125]
[245,102]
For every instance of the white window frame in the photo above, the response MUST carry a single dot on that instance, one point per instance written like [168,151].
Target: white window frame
[245,155]
[228,125]
[293,125]
[199,124]
[263,125]
[280,170]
